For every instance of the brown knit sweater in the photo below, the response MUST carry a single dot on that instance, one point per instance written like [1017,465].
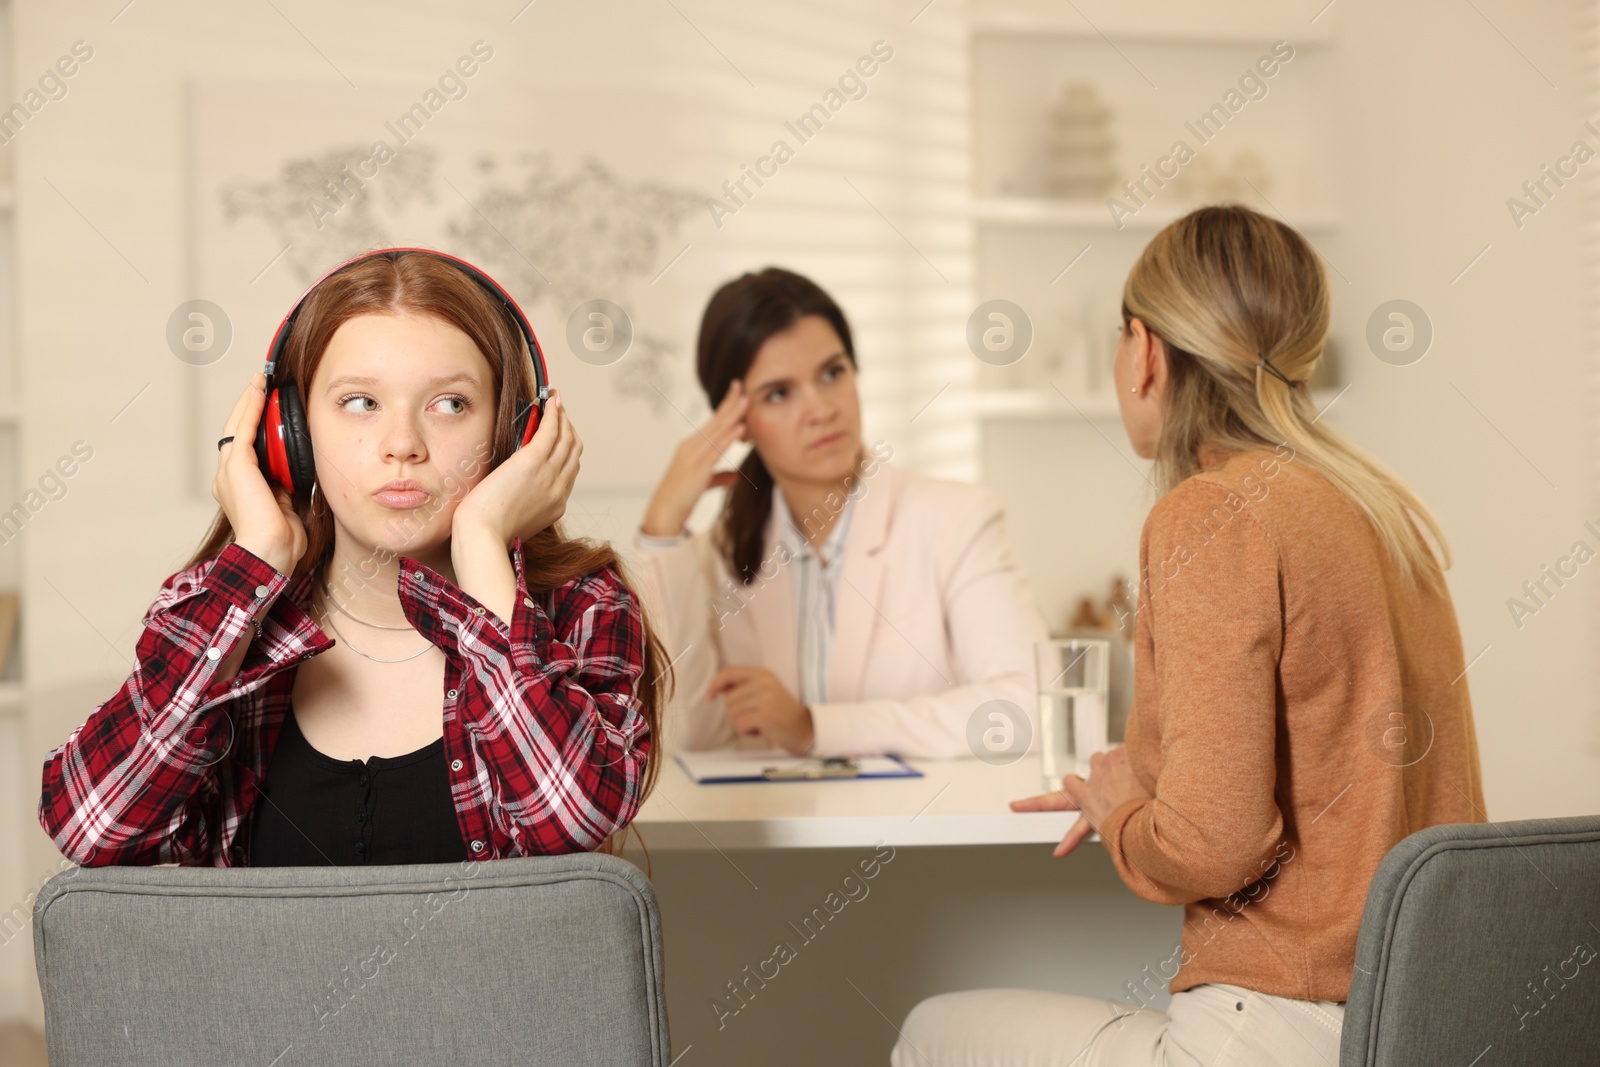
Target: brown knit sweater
[1297,711]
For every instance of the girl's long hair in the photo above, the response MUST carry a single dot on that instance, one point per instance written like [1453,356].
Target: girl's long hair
[1221,286]
[396,282]
[737,322]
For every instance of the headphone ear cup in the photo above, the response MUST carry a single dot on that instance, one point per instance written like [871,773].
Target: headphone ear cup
[269,450]
[297,449]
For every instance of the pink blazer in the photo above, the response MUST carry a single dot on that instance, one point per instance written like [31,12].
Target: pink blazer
[933,619]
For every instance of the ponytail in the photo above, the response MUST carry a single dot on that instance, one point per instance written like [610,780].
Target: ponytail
[1235,296]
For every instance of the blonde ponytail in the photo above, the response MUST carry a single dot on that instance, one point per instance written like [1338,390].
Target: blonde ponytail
[1237,296]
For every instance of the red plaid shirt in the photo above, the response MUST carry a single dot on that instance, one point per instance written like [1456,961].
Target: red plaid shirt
[544,733]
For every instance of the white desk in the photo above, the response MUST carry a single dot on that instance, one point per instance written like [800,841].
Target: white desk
[956,802]
[734,865]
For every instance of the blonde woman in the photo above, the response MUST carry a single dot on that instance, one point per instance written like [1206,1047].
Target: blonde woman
[1300,700]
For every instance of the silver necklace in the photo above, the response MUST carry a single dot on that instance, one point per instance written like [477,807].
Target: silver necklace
[340,608]
[327,617]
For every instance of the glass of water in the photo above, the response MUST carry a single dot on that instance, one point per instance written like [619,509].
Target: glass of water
[1074,690]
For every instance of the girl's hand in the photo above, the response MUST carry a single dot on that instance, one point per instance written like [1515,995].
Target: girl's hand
[262,514]
[529,491]
[693,464]
[1111,784]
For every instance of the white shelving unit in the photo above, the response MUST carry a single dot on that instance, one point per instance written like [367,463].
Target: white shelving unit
[1051,438]
[1063,261]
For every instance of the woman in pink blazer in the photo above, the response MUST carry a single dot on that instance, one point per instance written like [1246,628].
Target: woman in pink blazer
[840,605]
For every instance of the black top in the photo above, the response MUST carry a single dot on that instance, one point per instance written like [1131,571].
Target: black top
[314,810]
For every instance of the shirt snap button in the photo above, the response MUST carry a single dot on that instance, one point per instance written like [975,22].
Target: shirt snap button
[477,846]
[527,602]
[455,765]
[262,591]
[477,611]
[451,694]
[213,653]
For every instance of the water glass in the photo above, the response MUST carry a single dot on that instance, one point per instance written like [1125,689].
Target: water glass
[1074,690]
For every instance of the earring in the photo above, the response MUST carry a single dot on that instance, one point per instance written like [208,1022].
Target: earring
[313,508]
[1135,389]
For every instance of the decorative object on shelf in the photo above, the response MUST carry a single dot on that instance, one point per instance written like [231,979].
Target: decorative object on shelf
[1203,181]
[1248,177]
[1114,613]
[1077,354]
[1086,617]
[1103,320]
[1078,146]
[10,604]
[1063,350]
[1119,604]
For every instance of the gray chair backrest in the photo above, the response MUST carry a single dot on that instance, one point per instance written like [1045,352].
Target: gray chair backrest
[537,960]
[1478,946]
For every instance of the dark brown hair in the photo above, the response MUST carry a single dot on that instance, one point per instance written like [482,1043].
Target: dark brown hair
[737,322]
[398,282]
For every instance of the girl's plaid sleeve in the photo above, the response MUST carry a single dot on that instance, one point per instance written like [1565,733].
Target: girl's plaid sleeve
[551,708]
[136,783]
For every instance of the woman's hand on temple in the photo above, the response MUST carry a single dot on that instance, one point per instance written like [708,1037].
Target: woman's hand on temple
[1110,785]
[693,468]
[529,490]
[262,514]
[759,706]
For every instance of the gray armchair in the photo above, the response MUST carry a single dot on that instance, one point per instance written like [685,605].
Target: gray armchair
[545,960]
[1478,946]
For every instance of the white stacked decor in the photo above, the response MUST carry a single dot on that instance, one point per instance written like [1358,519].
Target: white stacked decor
[1079,346]
[1207,180]
[1078,147]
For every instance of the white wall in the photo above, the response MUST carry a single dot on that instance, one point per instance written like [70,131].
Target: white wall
[1451,119]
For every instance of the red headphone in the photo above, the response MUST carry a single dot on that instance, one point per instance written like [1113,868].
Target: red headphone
[283,441]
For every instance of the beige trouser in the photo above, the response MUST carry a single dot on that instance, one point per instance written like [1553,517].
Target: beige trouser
[1207,1026]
